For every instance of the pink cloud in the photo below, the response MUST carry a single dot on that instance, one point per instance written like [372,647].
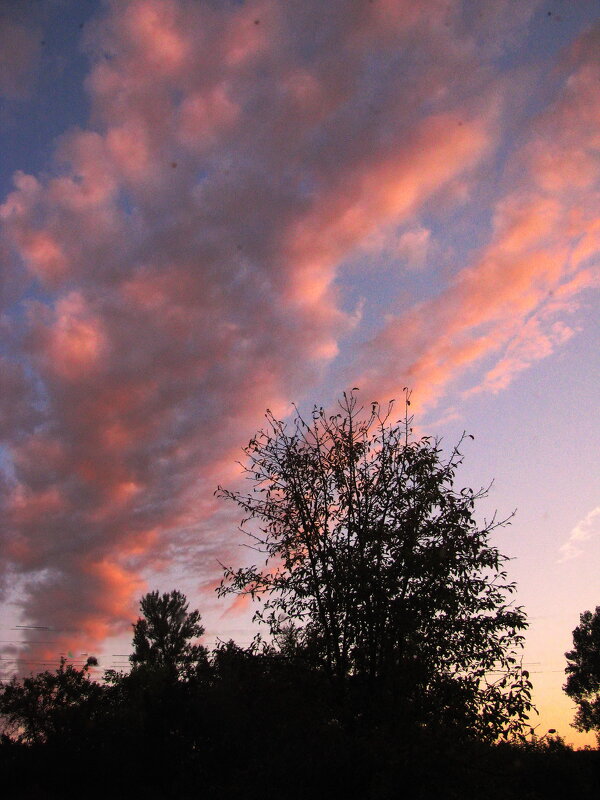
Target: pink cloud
[532,343]
[413,246]
[545,234]
[186,250]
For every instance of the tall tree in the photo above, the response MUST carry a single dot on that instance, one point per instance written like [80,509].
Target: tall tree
[162,637]
[375,556]
[583,671]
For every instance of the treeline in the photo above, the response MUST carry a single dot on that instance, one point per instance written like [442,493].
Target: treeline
[254,722]
[391,667]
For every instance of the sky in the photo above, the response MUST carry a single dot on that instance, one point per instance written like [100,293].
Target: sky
[209,208]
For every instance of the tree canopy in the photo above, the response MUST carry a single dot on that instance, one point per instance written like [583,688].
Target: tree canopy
[583,671]
[374,557]
[49,705]
[162,637]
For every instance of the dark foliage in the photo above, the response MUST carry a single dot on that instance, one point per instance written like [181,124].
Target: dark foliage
[257,722]
[162,637]
[388,610]
[47,706]
[583,671]
[376,567]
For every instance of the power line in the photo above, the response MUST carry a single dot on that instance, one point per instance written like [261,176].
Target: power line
[30,641]
[32,628]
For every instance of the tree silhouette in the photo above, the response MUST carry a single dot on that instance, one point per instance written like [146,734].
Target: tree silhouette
[583,671]
[50,705]
[376,558]
[162,638]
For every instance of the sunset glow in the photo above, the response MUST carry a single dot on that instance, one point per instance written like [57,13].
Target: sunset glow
[208,209]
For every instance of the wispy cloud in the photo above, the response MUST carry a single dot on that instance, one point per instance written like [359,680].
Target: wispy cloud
[586,529]
[509,303]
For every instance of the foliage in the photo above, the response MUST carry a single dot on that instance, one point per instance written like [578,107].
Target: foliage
[583,671]
[235,726]
[376,558]
[49,705]
[162,638]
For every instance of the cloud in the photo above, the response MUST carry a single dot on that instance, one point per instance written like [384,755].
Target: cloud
[413,247]
[509,303]
[586,529]
[177,268]
[533,342]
